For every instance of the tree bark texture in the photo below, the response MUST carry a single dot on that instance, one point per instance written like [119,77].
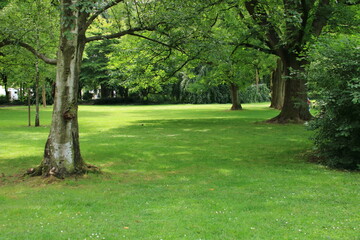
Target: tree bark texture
[234,91]
[278,87]
[62,150]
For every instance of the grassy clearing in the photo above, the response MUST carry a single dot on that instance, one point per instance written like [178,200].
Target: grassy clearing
[175,172]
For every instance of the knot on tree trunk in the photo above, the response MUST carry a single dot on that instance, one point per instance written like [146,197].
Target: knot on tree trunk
[68,115]
[70,112]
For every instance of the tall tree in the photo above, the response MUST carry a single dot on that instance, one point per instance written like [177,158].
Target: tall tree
[285,28]
[94,70]
[62,150]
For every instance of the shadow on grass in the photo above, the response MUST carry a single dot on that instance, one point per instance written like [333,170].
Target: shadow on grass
[203,144]
[199,144]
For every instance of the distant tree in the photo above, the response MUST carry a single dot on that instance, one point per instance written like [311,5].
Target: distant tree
[284,28]
[94,70]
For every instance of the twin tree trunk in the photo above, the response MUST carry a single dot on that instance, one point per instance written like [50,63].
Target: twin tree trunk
[295,108]
[62,150]
[278,87]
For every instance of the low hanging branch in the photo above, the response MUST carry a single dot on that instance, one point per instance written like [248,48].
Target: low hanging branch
[47,60]
[119,34]
[157,41]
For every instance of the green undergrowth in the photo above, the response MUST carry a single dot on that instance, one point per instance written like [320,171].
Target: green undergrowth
[175,172]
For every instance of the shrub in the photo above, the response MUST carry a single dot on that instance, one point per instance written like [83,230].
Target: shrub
[3,100]
[335,75]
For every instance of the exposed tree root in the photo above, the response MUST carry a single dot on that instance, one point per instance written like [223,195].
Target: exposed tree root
[290,118]
[281,120]
[236,107]
[45,171]
[91,169]
[33,172]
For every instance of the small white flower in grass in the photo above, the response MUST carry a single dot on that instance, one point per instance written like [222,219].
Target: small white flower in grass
[252,228]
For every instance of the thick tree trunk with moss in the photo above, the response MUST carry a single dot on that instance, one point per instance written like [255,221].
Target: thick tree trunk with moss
[62,150]
[295,108]
[234,91]
[277,87]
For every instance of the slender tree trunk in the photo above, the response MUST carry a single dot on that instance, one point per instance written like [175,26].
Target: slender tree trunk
[277,87]
[22,92]
[79,92]
[295,107]
[44,95]
[234,91]
[29,107]
[62,150]
[37,97]
[257,79]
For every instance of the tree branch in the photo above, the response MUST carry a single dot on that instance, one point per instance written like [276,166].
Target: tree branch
[259,15]
[248,45]
[100,11]
[322,16]
[179,68]
[157,41]
[119,34]
[29,48]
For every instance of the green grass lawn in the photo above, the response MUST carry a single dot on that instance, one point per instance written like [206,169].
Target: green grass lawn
[175,172]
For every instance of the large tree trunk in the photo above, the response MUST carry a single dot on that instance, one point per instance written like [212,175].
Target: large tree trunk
[62,150]
[277,87]
[234,91]
[295,109]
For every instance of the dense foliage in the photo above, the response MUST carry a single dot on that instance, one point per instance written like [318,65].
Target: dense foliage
[255,93]
[335,75]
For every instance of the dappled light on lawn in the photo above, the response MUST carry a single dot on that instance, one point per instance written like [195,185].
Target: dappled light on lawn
[176,172]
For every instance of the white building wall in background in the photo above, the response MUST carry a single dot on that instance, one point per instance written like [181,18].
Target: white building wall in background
[14,93]
[2,91]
